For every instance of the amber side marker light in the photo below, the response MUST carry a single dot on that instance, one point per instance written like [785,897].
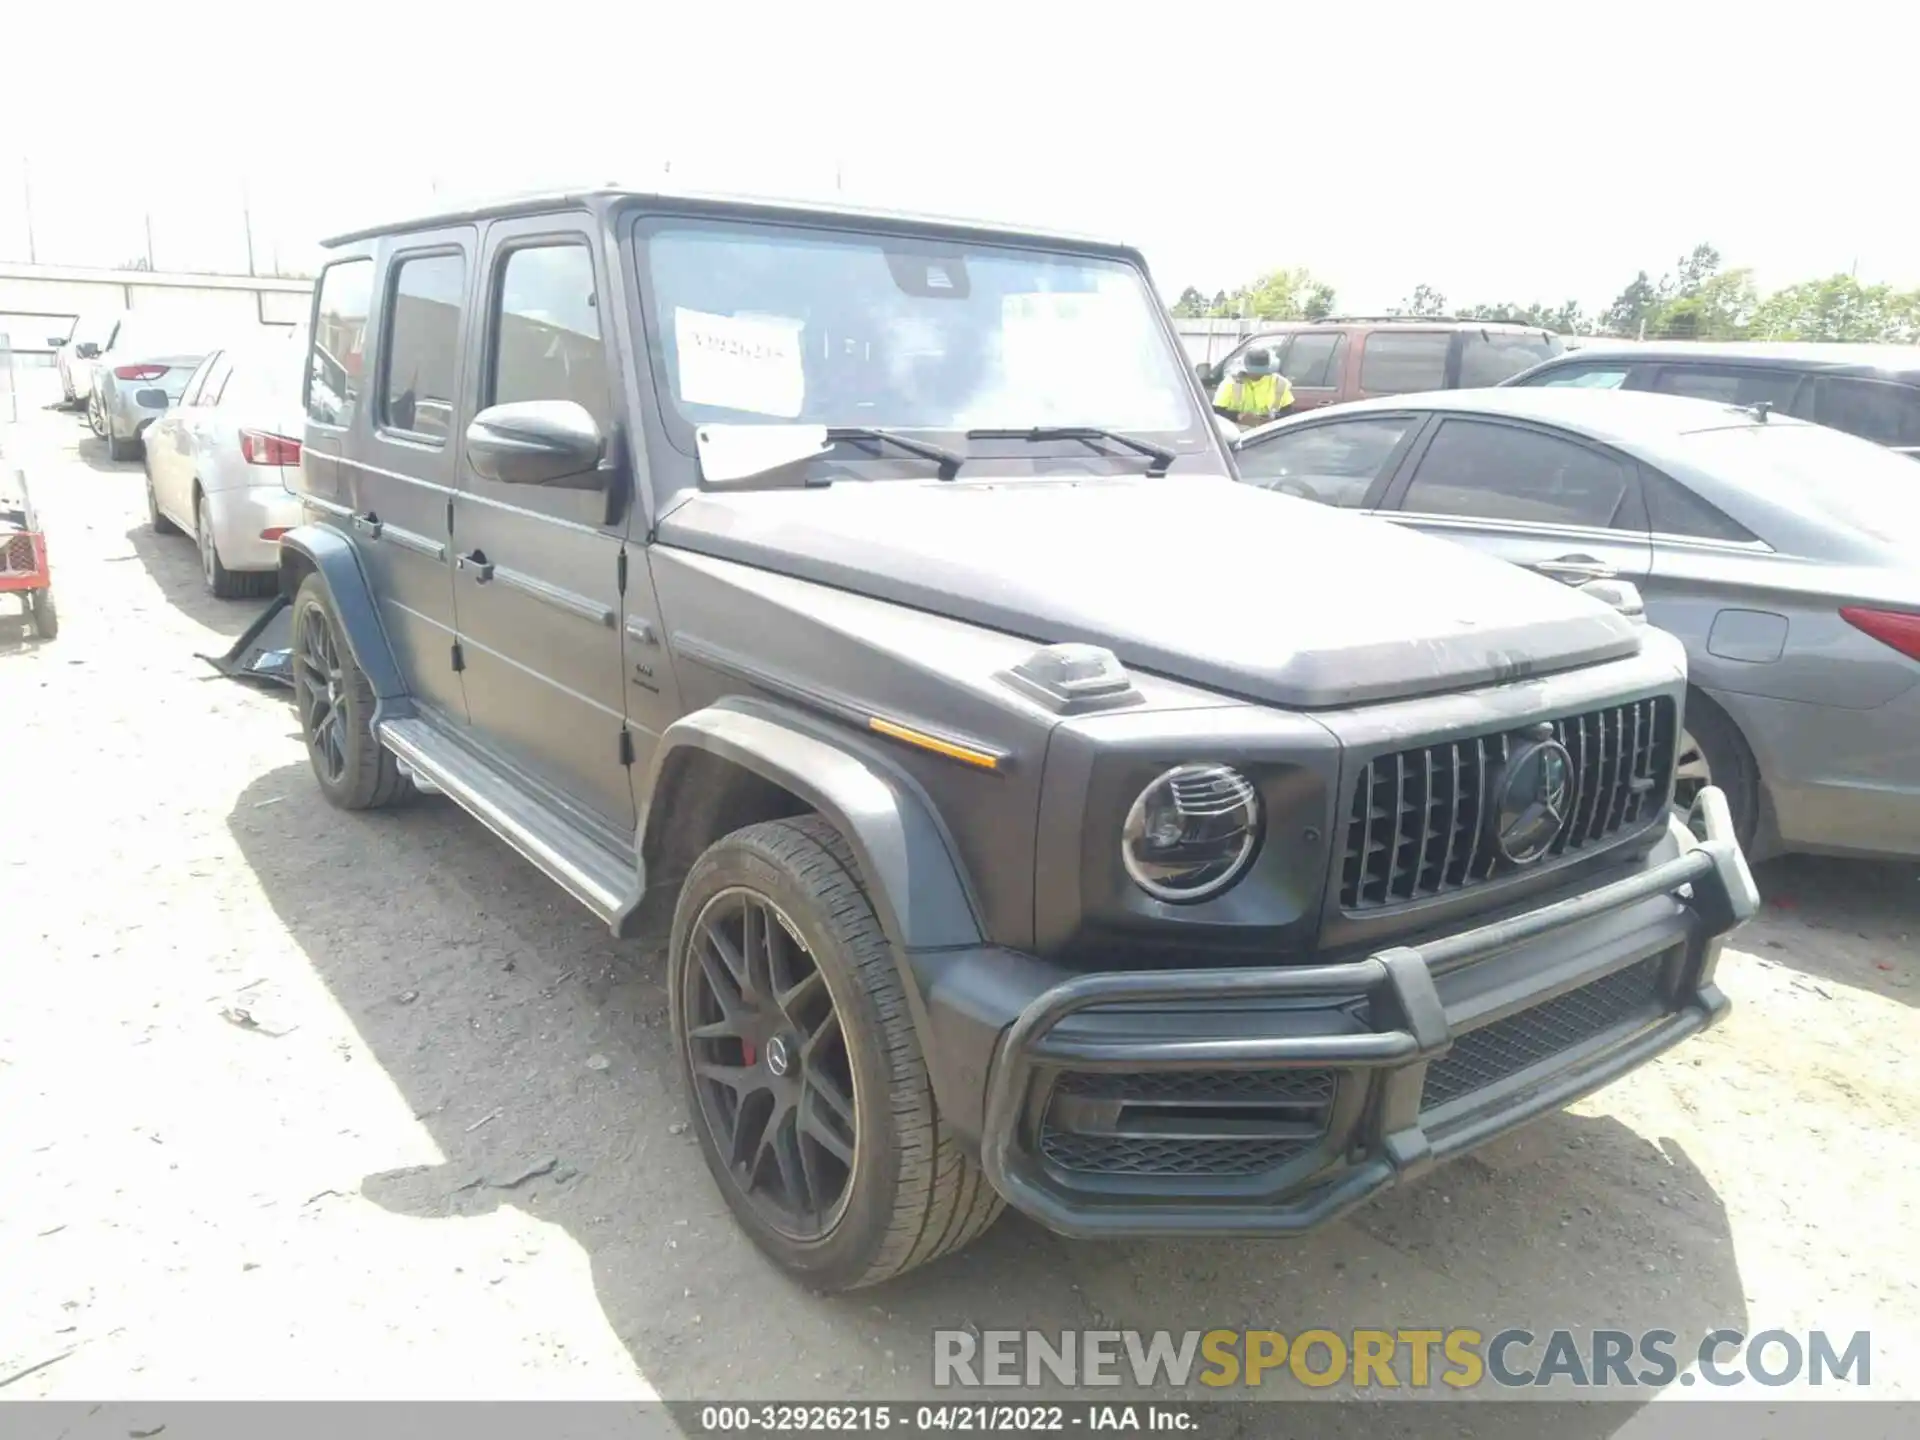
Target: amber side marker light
[965,754]
[1898,628]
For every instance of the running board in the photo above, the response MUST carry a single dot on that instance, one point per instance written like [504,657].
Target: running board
[606,883]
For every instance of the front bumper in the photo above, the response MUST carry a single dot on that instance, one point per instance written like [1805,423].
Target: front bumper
[1331,1082]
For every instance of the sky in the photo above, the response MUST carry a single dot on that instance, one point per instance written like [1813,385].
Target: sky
[1497,152]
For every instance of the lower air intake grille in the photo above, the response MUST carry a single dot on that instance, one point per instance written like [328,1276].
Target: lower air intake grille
[1417,823]
[1506,1047]
[1191,1123]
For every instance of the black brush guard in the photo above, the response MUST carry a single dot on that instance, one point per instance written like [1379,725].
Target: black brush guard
[1710,880]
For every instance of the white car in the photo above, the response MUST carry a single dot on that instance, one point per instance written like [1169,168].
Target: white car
[141,371]
[218,462]
[75,355]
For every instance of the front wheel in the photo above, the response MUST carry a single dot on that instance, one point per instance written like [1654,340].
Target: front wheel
[1712,752]
[155,516]
[335,701]
[46,619]
[803,1068]
[96,416]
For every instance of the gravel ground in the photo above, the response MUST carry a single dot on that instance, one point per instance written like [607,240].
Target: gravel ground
[304,1104]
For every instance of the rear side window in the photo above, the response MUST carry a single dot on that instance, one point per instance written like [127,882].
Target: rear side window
[191,395]
[422,353]
[1392,363]
[337,353]
[546,335]
[1584,377]
[1876,410]
[1672,509]
[215,383]
[1312,363]
[1731,386]
[1502,472]
[1489,356]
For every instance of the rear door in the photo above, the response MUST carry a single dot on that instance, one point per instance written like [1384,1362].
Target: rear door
[400,466]
[1541,498]
[1886,412]
[540,568]
[1397,361]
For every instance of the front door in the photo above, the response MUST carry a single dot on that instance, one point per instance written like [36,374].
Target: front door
[538,569]
[1569,510]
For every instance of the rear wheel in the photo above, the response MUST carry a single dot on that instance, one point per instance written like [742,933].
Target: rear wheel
[118,449]
[46,619]
[804,1073]
[221,582]
[335,701]
[1712,752]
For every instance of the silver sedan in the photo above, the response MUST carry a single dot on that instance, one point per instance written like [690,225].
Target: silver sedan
[1785,555]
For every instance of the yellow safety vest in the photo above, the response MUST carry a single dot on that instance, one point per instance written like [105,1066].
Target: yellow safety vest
[1255,394]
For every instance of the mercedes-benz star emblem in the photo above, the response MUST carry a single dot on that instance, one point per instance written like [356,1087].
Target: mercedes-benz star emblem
[1530,794]
[777,1058]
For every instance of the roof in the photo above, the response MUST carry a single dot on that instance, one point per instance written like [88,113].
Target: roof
[1901,360]
[607,197]
[1630,419]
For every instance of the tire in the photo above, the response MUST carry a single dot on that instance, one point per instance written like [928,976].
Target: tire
[1712,751]
[222,583]
[355,771]
[909,1194]
[161,524]
[96,416]
[118,449]
[46,619]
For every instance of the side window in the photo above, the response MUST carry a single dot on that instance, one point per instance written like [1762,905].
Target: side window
[546,331]
[215,383]
[1489,356]
[1502,472]
[1310,363]
[1585,377]
[337,353]
[1334,463]
[1672,509]
[420,362]
[1877,410]
[191,395]
[1394,362]
[1730,385]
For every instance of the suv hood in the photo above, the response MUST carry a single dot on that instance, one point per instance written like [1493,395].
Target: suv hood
[1198,578]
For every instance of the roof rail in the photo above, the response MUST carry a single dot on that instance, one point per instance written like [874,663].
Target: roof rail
[1394,319]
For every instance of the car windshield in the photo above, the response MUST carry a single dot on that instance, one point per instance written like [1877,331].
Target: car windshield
[1855,482]
[756,325]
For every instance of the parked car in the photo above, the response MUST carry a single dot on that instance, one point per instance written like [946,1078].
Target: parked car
[140,372]
[1872,391]
[1353,357]
[74,355]
[1781,553]
[782,582]
[219,463]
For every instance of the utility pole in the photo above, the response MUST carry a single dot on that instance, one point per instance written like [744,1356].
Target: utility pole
[246,220]
[26,185]
[149,220]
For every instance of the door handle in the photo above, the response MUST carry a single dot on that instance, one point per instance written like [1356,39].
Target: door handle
[476,562]
[367,524]
[1575,569]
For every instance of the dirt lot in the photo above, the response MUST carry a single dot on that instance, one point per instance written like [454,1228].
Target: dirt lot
[302,1104]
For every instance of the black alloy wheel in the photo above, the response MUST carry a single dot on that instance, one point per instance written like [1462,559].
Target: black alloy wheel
[771,1072]
[319,689]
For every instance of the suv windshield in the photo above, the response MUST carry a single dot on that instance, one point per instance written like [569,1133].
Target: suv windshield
[1489,356]
[1847,479]
[761,325]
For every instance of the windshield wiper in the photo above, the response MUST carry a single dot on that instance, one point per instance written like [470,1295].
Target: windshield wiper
[950,460]
[1091,434]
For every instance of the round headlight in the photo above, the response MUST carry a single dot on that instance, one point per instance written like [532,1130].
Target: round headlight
[1192,833]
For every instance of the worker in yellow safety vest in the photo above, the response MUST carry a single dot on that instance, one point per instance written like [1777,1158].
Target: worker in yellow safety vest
[1257,393]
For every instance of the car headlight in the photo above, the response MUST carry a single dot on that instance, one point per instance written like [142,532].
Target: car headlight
[1192,833]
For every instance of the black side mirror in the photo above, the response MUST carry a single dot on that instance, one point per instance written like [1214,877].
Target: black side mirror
[537,442]
[1205,372]
[87,350]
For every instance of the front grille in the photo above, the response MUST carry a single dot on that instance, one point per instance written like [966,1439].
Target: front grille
[1187,1123]
[17,554]
[1506,1047]
[1417,824]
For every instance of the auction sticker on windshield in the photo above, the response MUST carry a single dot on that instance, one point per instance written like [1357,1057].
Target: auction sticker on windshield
[740,362]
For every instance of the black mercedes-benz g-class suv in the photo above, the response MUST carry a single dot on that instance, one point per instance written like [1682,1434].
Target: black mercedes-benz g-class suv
[1033,813]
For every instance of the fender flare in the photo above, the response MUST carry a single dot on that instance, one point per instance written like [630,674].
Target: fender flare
[918,890]
[331,556]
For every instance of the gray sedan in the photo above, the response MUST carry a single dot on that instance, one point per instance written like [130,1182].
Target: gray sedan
[1785,555]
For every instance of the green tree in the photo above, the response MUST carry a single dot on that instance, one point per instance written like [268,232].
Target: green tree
[1717,307]
[1838,308]
[1425,300]
[1286,294]
[1191,304]
[1631,307]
